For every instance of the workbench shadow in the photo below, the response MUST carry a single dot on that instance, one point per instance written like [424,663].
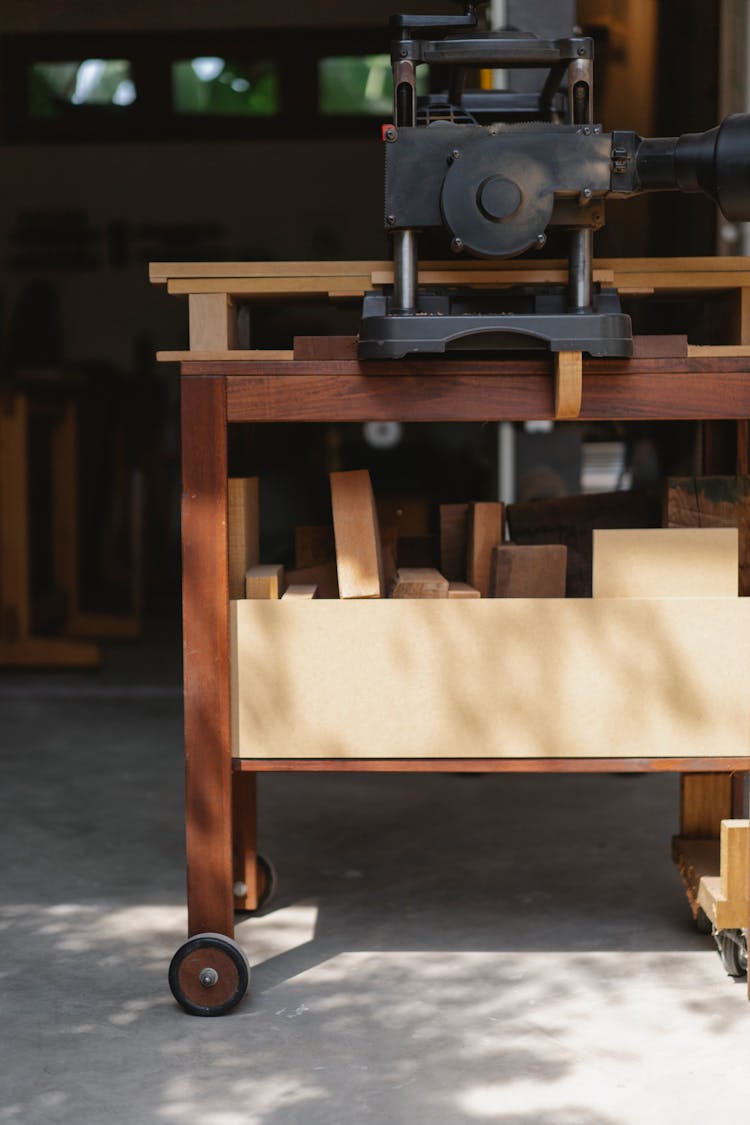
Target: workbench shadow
[475,863]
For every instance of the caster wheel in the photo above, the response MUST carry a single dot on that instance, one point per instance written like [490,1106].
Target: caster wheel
[703,923]
[268,881]
[209,975]
[732,946]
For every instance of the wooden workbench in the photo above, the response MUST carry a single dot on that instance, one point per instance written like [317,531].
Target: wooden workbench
[219,390]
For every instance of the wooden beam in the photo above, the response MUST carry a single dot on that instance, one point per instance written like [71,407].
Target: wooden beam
[243,523]
[359,561]
[213,322]
[485,528]
[568,384]
[705,800]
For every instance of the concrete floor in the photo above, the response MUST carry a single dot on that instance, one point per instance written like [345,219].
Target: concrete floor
[443,949]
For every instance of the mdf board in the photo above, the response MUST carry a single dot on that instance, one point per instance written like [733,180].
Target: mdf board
[665,563]
[359,560]
[509,678]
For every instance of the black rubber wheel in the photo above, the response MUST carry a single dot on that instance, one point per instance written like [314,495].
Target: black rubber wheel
[209,975]
[268,881]
[733,952]
[703,923]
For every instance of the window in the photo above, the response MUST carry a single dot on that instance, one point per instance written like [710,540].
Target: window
[359,84]
[56,88]
[209,84]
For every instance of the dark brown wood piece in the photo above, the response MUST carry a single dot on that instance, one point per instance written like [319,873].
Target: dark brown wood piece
[205,615]
[245,838]
[488,765]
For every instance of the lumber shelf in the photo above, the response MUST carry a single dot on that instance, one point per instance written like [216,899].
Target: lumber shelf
[489,765]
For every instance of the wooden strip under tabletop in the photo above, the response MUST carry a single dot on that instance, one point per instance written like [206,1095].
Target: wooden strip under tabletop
[491,765]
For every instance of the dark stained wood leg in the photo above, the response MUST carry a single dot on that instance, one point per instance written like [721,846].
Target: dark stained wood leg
[205,610]
[245,840]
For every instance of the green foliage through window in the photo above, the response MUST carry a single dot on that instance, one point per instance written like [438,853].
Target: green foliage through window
[211,85]
[360,84]
[59,87]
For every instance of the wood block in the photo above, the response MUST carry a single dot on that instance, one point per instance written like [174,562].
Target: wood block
[359,561]
[213,322]
[313,546]
[665,563]
[528,571]
[300,592]
[735,860]
[715,501]
[242,515]
[264,582]
[568,384]
[524,670]
[705,800]
[485,531]
[325,347]
[454,522]
[462,590]
[323,576]
[419,582]
[570,520]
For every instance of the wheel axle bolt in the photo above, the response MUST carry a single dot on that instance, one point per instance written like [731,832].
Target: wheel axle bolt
[208,977]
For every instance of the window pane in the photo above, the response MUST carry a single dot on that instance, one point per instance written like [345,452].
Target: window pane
[56,87]
[360,84]
[212,85]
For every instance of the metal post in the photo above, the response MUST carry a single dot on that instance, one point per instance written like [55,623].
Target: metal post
[404,271]
[580,268]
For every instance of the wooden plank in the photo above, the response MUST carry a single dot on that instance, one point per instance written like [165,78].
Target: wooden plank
[313,545]
[568,384]
[419,582]
[325,347]
[462,590]
[713,502]
[389,554]
[454,530]
[708,351]
[665,563]
[110,625]
[653,347]
[525,670]
[268,287]
[533,571]
[359,561]
[705,800]
[243,533]
[323,576]
[485,530]
[64,480]
[265,581]
[467,398]
[220,355]
[300,592]
[535,273]
[485,765]
[696,859]
[212,322]
[245,841]
[206,671]
[48,652]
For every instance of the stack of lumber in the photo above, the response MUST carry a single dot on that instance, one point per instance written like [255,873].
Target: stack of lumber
[362,556]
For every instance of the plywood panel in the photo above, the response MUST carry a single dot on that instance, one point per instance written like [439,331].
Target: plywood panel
[516,678]
[665,563]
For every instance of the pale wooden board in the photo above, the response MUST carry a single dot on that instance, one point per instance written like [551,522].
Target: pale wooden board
[735,862]
[242,533]
[419,582]
[300,592]
[539,678]
[725,913]
[665,562]
[264,582]
[212,319]
[462,590]
[359,559]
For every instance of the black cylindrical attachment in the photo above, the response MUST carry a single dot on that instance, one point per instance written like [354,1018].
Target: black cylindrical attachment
[716,162]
